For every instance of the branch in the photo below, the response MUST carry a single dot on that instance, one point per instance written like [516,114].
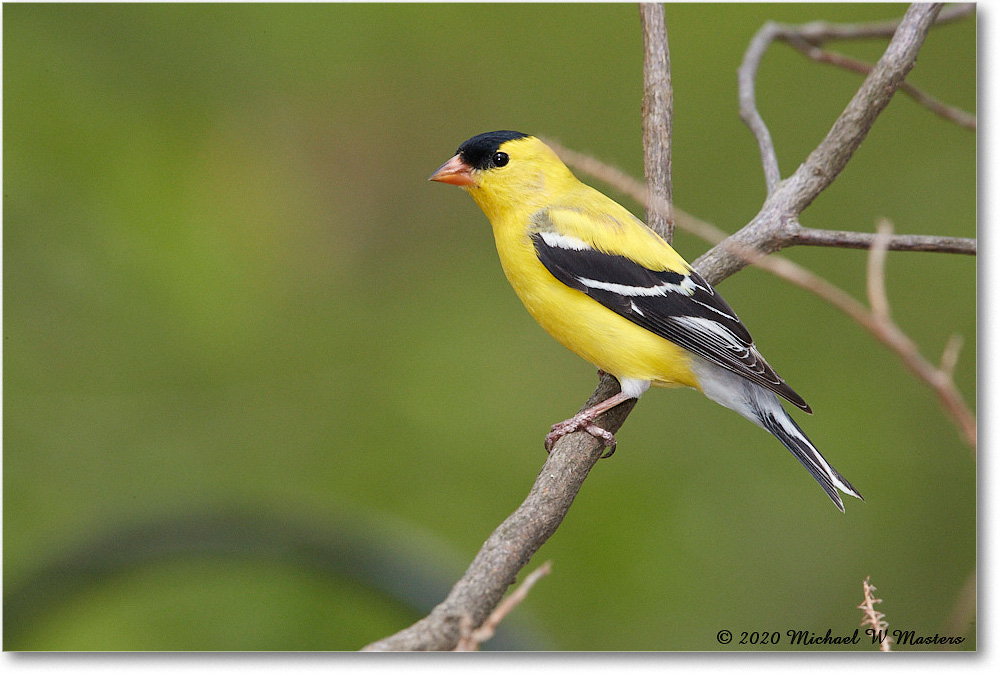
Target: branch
[776,223]
[657,117]
[807,236]
[826,162]
[882,326]
[807,38]
[877,322]
[746,77]
[471,639]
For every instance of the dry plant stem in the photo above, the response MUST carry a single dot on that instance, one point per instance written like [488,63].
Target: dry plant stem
[940,379]
[881,325]
[872,617]
[471,639]
[878,323]
[877,299]
[657,116]
[806,38]
[949,357]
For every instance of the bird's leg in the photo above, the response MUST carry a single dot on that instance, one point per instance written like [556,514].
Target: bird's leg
[583,421]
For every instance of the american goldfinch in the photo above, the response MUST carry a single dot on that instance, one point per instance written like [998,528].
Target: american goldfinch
[614,292]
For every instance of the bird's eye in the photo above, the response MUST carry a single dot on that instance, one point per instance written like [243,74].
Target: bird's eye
[500,158]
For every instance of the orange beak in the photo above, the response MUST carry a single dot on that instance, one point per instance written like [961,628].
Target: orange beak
[454,172]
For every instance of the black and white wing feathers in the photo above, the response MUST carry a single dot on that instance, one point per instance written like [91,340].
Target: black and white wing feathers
[680,307]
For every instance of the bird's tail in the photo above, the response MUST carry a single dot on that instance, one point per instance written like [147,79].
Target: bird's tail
[763,408]
[791,435]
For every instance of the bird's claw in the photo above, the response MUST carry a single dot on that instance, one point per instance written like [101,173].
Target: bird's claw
[581,423]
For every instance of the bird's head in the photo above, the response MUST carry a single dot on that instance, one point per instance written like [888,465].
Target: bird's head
[505,170]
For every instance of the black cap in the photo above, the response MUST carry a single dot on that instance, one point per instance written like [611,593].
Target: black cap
[478,151]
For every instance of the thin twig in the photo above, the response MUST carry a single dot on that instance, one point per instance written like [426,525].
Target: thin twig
[889,334]
[746,79]
[472,638]
[940,108]
[807,236]
[819,32]
[874,618]
[877,298]
[807,38]
[820,55]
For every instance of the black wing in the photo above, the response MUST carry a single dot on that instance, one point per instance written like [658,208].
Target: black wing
[683,308]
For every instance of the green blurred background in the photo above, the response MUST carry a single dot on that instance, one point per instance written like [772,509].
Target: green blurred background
[267,388]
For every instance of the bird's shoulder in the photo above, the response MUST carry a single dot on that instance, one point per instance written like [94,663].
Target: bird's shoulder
[587,219]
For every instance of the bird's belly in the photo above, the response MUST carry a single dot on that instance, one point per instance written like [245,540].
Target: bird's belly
[602,337]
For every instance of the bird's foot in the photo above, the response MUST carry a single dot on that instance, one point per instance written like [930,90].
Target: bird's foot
[581,422]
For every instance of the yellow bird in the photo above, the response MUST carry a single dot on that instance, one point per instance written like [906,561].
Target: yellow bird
[614,292]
